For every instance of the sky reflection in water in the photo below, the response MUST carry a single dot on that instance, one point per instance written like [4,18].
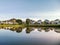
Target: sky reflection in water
[29,36]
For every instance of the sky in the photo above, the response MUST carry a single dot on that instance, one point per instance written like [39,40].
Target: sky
[33,9]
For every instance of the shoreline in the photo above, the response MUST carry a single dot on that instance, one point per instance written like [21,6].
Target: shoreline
[44,25]
[25,25]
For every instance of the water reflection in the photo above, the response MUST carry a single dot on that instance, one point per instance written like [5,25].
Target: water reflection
[46,29]
[30,29]
[18,30]
[29,35]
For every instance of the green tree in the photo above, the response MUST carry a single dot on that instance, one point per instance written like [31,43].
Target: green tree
[46,22]
[27,21]
[19,21]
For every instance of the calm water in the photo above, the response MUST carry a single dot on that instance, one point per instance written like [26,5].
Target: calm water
[29,36]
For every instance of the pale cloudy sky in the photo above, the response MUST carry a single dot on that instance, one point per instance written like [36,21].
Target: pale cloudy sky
[34,9]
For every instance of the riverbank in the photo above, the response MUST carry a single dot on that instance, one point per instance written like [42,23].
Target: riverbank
[25,25]
[44,25]
[9,25]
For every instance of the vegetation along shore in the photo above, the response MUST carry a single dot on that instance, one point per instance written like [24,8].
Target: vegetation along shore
[29,23]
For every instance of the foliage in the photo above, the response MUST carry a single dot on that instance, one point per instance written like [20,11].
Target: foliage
[27,21]
[19,21]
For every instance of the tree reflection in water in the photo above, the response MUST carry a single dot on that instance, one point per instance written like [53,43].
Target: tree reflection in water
[29,29]
[18,30]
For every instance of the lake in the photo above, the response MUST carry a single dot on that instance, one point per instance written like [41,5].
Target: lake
[30,36]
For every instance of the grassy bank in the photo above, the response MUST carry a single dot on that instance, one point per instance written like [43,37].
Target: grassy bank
[45,25]
[8,25]
[25,25]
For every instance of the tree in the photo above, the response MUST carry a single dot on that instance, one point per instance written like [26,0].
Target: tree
[27,21]
[46,22]
[19,21]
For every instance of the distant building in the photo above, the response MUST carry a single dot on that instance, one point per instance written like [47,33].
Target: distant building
[52,22]
[12,21]
[32,22]
[39,22]
[57,21]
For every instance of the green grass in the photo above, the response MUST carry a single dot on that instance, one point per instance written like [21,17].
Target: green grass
[25,25]
[44,25]
[8,25]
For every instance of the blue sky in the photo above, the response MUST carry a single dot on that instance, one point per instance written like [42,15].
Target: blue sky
[34,9]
